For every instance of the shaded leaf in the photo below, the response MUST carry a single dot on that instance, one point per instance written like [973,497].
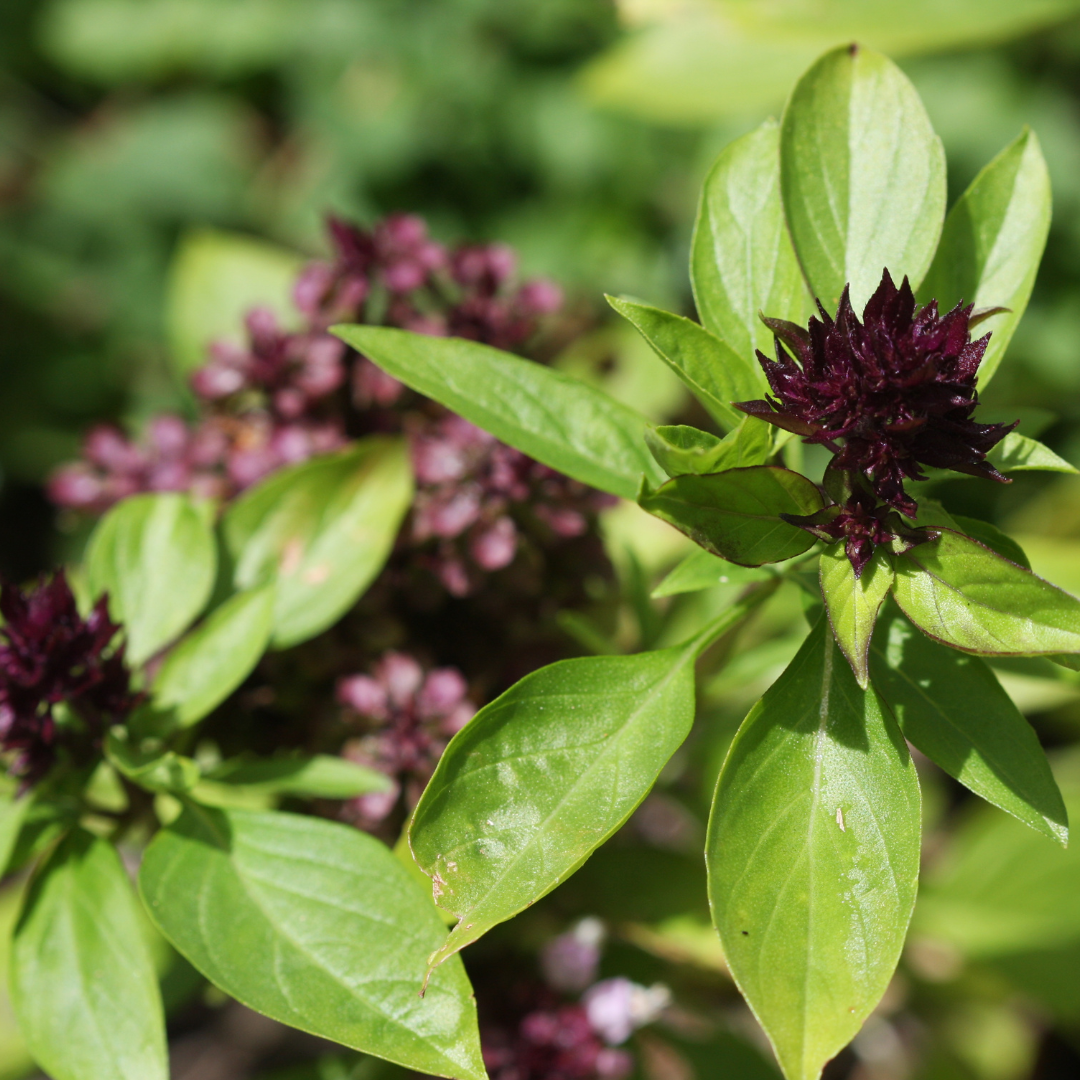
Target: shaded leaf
[82,981]
[852,603]
[736,514]
[992,537]
[149,764]
[155,557]
[681,450]
[813,856]
[992,244]
[320,531]
[741,259]
[316,925]
[862,175]
[952,708]
[961,593]
[562,422]
[702,569]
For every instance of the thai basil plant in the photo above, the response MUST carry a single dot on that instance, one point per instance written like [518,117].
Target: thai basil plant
[847,327]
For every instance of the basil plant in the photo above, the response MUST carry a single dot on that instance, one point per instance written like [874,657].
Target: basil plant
[841,309]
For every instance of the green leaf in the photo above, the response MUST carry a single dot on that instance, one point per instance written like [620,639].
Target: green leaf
[702,569]
[13,808]
[149,764]
[992,244]
[547,772]
[215,279]
[736,514]
[155,557]
[992,537]
[852,603]
[82,981]
[1018,453]
[321,531]
[741,259]
[216,657]
[862,175]
[962,594]
[316,925]
[713,371]
[813,856]
[561,421]
[318,777]
[681,450]
[952,708]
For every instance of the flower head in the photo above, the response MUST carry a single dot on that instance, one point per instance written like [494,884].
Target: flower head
[49,654]
[898,389]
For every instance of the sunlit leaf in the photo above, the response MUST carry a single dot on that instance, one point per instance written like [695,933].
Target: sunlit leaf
[681,450]
[702,569]
[852,603]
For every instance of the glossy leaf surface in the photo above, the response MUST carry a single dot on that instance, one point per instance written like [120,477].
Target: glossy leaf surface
[320,531]
[1018,453]
[681,450]
[961,593]
[736,514]
[702,569]
[952,708]
[154,555]
[852,603]
[82,982]
[813,856]
[216,657]
[993,242]
[321,776]
[741,259]
[316,925]
[862,175]
[561,421]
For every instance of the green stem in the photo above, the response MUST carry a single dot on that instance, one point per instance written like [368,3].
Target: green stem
[734,615]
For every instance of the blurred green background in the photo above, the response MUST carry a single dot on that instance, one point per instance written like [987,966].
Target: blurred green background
[579,132]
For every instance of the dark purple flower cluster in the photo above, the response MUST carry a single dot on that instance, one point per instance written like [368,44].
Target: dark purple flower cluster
[408,716]
[49,656]
[467,483]
[887,395]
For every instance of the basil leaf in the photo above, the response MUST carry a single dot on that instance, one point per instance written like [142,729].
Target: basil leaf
[1018,453]
[216,657]
[852,603]
[862,175]
[992,537]
[155,557]
[741,261]
[563,422]
[952,708]
[681,451]
[714,372]
[316,925]
[736,514]
[962,594]
[813,856]
[149,764]
[993,242]
[82,982]
[319,777]
[702,569]
[321,531]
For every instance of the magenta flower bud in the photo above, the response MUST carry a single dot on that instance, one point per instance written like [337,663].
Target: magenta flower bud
[612,1064]
[570,962]
[169,476]
[364,695]
[290,403]
[107,447]
[377,805]
[457,719]
[372,386]
[312,286]
[539,297]
[209,444]
[562,520]
[436,461]
[441,693]
[495,547]
[400,232]
[432,325]
[291,444]
[404,276]
[401,675]
[216,381]
[468,265]
[168,435]
[452,514]
[454,576]
[617,1007]
[501,262]
[262,325]
[75,487]
[246,467]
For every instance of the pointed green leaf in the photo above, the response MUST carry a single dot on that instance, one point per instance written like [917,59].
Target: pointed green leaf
[316,925]
[216,657]
[547,772]
[952,708]
[813,856]
[561,421]
[742,262]
[82,981]
[713,371]
[962,594]
[992,537]
[149,764]
[736,514]
[852,603]
[320,531]
[319,777]
[1018,453]
[992,244]
[862,175]
[155,557]
[702,569]
[681,450]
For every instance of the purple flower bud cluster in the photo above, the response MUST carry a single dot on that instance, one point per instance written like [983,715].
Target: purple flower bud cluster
[467,485]
[408,715]
[49,656]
